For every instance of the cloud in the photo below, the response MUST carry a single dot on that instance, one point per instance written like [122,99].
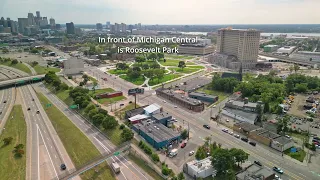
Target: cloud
[169,11]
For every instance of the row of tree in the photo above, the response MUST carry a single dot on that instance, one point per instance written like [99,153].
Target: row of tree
[53,79]
[5,60]
[148,150]
[224,84]
[18,149]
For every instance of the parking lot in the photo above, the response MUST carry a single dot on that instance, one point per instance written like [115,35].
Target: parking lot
[25,57]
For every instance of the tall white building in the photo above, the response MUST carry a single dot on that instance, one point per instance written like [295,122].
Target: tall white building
[52,22]
[73,66]
[241,43]
[31,19]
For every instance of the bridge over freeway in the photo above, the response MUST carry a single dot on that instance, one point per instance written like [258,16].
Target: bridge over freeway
[20,81]
[290,60]
[95,162]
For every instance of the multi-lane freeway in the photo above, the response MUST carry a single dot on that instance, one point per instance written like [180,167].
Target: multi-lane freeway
[263,154]
[46,152]
[129,171]
[7,97]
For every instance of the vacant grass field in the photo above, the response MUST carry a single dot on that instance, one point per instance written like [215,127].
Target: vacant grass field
[118,72]
[166,77]
[120,113]
[137,81]
[63,94]
[186,70]
[145,167]
[196,67]
[19,66]
[106,101]
[178,56]
[74,141]
[43,70]
[173,62]
[12,167]
[222,95]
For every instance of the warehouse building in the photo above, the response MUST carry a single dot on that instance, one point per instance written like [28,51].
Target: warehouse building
[282,143]
[263,136]
[156,134]
[255,172]
[73,66]
[204,97]
[270,48]
[286,49]
[244,105]
[200,169]
[196,49]
[240,115]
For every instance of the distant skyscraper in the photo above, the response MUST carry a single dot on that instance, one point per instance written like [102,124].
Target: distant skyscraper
[23,23]
[70,28]
[117,27]
[52,23]
[31,19]
[139,26]
[242,43]
[99,26]
[112,28]
[58,26]
[43,22]
[2,21]
[108,24]
[123,27]
[38,14]
[14,27]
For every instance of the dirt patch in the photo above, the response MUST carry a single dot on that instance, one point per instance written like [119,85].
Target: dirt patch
[297,106]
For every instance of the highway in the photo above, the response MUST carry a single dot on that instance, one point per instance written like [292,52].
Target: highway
[7,98]
[129,171]
[13,81]
[12,73]
[266,155]
[45,150]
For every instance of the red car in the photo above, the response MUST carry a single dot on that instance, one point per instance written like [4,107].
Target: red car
[183,145]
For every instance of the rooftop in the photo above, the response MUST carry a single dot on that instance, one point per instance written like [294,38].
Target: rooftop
[136,111]
[202,94]
[193,84]
[138,117]
[269,134]
[247,126]
[200,165]
[242,104]
[180,96]
[254,172]
[161,115]
[282,140]
[248,115]
[157,131]
[151,108]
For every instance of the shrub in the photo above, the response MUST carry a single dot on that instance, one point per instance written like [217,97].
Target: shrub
[123,126]
[155,157]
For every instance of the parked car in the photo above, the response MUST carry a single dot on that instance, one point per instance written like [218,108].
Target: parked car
[191,153]
[5,101]
[278,170]
[28,109]
[277,177]
[63,167]
[258,163]
[206,126]
[225,130]
[244,139]
[252,143]
[236,135]
[38,112]
[231,133]
[183,145]
[130,102]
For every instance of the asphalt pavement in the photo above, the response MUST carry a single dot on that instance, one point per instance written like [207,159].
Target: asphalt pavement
[129,171]
[6,102]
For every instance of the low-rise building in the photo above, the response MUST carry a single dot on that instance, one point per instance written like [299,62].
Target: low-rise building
[245,128]
[306,56]
[204,97]
[282,143]
[196,49]
[156,134]
[270,48]
[152,109]
[263,136]
[255,172]
[239,115]
[73,66]
[179,99]
[134,112]
[163,118]
[200,169]
[286,49]
[243,105]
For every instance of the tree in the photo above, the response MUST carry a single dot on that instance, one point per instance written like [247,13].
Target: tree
[7,141]
[152,56]
[301,88]
[18,150]
[239,155]
[14,61]
[155,157]
[92,113]
[5,51]
[181,176]
[133,74]
[122,66]
[89,108]
[109,122]
[95,83]
[34,51]
[127,134]
[56,83]
[296,67]
[97,119]
[201,153]
[140,59]
[259,111]
[282,125]
[145,66]
[291,68]
[182,64]
[155,65]
[160,55]
[184,134]
[34,63]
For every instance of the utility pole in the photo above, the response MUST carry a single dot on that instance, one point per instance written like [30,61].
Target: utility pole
[188,131]
[135,101]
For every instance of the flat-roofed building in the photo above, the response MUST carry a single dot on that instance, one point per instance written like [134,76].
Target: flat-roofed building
[282,143]
[195,49]
[204,97]
[255,172]
[241,116]
[73,66]
[306,56]
[244,105]
[286,49]
[200,169]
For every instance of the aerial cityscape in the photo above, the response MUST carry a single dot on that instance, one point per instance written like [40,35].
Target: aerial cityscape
[108,90]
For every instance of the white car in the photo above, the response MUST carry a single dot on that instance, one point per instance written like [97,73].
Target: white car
[227,120]
[277,177]
[191,153]
[231,133]
[236,135]
[175,106]
[164,101]
[214,106]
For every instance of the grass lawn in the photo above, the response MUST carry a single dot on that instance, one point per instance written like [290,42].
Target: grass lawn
[137,81]
[106,101]
[145,167]
[92,79]
[118,72]
[297,155]
[221,95]
[11,166]
[178,56]
[99,91]
[166,77]
[114,135]
[170,62]
[195,67]
[74,141]
[43,70]
[19,66]
[186,70]
[63,95]
[300,136]
[120,113]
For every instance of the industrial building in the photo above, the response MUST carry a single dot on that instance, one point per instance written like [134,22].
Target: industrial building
[306,56]
[180,99]
[200,169]
[282,143]
[156,134]
[286,49]
[204,97]
[244,105]
[240,115]
[270,48]
[73,66]
[109,95]
[255,172]
[192,85]
[237,46]
[195,49]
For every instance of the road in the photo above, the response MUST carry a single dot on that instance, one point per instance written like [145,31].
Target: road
[6,102]
[266,155]
[129,171]
[45,150]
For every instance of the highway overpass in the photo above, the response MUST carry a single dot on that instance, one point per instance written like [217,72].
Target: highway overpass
[290,60]
[20,81]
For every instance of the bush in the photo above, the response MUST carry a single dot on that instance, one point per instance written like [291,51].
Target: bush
[312,147]
[122,126]
[155,157]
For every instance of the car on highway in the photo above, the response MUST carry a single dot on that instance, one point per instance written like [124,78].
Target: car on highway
[183,145]
[236,135]
[32,99]
[231,133]
[38,112]
[191,153]
[225,130]
[206,126]
[244,139]
[214,106]
[130,102]
[28,109]
[164,101]
[175,106]
[252,143]
[4,101]
[258,163]
[278,170]
[63,167]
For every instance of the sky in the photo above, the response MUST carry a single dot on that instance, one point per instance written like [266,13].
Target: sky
[168,11]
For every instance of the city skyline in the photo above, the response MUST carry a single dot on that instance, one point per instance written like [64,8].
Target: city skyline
[168,12]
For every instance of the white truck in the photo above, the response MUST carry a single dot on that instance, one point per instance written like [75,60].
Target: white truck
[116,168]
[173,153]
